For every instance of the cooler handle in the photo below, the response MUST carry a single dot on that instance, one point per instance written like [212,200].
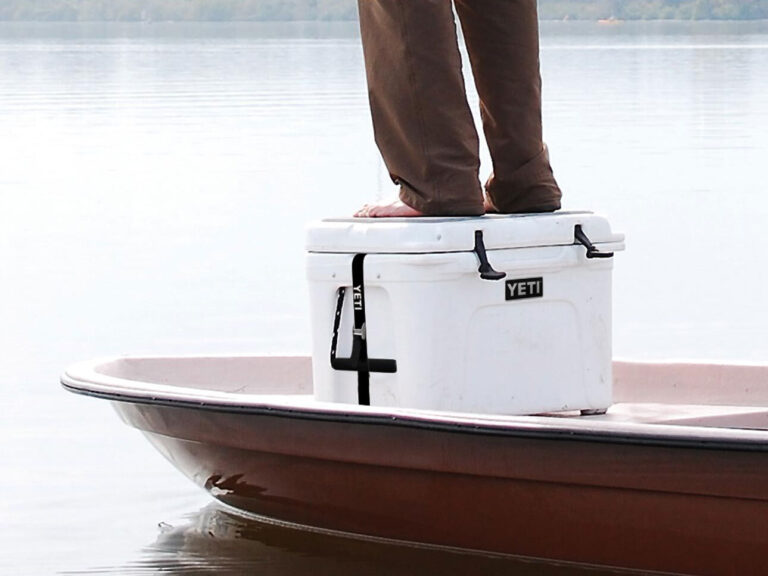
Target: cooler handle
[355,363]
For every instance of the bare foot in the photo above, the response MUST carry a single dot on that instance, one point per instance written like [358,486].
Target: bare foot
[396,209]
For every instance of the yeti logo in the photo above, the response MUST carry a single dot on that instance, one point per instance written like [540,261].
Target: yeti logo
[525,288]
[357,297]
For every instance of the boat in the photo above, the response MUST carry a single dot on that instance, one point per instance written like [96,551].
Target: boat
[672,478]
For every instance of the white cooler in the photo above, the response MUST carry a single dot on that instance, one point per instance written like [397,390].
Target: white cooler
[496,314]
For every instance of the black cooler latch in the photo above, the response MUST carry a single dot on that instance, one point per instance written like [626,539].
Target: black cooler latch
[592,251]
[486,270]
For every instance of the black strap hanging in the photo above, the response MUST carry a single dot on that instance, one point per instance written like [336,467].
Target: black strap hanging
[358,360]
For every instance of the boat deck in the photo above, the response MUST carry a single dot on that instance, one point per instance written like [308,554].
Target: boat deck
[657,396]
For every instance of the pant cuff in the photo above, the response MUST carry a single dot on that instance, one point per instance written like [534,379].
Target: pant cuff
[416,201]
[530,188]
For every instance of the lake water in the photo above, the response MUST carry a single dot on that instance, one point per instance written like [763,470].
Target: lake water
[155,181]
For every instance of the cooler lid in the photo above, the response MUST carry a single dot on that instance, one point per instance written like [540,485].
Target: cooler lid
[429,235]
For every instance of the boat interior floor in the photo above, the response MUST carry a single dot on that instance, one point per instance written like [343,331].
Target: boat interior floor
[743,417]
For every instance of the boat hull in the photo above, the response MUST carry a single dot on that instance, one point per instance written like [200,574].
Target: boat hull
[690,507]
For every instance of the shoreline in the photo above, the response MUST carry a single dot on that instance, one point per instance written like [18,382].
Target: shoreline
[607,20]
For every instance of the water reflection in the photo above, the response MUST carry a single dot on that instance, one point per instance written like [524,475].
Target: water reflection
[216,541]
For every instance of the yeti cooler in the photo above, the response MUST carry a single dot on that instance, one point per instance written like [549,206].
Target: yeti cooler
[505,314]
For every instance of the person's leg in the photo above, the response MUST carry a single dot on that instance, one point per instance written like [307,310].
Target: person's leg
[502,38]
[422,122]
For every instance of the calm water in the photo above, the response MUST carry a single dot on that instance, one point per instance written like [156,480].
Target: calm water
[154,184]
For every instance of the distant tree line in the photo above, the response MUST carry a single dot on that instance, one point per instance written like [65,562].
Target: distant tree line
[239,10]
[654,9]
[177,10]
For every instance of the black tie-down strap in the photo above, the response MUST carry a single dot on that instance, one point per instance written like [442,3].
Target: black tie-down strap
[358,360]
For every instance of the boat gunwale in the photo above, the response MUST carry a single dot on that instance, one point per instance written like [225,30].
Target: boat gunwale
[527,427]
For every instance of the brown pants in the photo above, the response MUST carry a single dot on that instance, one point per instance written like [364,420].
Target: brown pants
[422,122]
